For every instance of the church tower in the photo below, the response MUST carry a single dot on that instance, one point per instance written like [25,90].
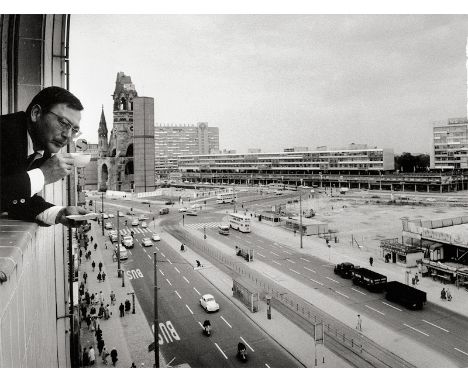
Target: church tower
[102,134]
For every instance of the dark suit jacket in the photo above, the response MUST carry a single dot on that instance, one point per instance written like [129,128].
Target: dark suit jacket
[15,186]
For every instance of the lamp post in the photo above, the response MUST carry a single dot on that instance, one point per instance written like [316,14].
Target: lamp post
[156,319]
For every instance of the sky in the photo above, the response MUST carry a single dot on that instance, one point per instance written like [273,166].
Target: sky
[277,81]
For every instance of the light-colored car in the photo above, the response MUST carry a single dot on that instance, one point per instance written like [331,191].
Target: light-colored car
[144,225]
[123,252]
[111,215]
[192,212]
[112,232]
[143,217]
[127,241]
[182,209]
[114,238]
[155,237]
[196,206]
[146,242]
[121,213]
[135,222]
[108,225]
[105,216]
[208,303]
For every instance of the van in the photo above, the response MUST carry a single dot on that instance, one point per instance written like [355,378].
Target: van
[164,211]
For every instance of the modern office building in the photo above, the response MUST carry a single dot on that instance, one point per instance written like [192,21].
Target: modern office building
[450,145]
[171,141]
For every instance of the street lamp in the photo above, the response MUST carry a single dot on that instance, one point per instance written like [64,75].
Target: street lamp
[156,319]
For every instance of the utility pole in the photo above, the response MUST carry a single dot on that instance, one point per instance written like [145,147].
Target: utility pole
[156,319]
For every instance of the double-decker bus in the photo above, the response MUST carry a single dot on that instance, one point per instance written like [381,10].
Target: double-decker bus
[240,222]
[226,197]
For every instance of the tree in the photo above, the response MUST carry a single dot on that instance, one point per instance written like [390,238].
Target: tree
[407,162]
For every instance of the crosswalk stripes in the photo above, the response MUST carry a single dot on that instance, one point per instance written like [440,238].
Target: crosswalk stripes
[127,231]
[206,225]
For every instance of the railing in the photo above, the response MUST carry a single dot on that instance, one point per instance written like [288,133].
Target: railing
[370,352]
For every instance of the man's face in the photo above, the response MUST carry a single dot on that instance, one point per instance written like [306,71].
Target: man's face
[51,130]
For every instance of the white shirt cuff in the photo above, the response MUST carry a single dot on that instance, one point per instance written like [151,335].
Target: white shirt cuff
[37,180]
[49,215]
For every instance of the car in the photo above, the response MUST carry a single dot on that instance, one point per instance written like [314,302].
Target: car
[143,217]
[112,232]
[208,303]
[135,222]
[121,213]
[195,206]
[144,225]
[111,215]
[108,225]
[155,237]
[168,202]
[192,212]
[113,238]
[344,270]
[123,252]
[127,241]
[146,242]
[105,216]
[182,209]
[164,211]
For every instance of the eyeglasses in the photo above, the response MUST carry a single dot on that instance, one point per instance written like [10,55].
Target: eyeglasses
[65,124]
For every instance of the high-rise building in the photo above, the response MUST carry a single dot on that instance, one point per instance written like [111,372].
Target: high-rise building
[171,141]
[450,144]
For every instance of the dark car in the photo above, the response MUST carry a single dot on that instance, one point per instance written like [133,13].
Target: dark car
[169,203]
[345,270]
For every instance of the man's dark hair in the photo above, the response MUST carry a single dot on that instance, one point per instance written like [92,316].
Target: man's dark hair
[51,96]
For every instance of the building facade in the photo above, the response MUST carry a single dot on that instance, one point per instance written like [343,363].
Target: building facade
[450,145]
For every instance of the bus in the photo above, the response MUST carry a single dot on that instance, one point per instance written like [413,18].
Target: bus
[240,222]
[223,229]
[226,197]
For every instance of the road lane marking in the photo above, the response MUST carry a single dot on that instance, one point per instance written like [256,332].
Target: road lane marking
[292,270]
[359,291]
[461,351]
[169,282]
[162,254]
[315,281]
[221,350]
[290,261]
[416,330]
[276,262]
[391,306]
[260,254]
[375,310]
[267,366]
[275,254]
[329,278]
[144,250]
[161,272]
[197,291]
[227,323]
[169,261]
[149,257]
[305,259]
[341,294]
[310,270]
[199,323]
[190,310]
[275,243]
[177,270]
[177,293]
[245,342]
[430,323]
[188,282]
[260,247]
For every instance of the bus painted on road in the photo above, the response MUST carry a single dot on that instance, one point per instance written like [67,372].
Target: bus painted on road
[239,222]
[226,197]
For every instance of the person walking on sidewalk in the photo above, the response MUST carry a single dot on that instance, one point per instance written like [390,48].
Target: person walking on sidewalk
[95,246]
[87,297]
[103,276]
[85,276]
[100,266]
[359,323]
[122,309]
[112,297]
[128,305]
[100,345]
[101,312]
[89,254]
[85,357]
[105,245]
[101,297]
[99,277]
[371,261]
[88,321]
[106,312]
[91,239]
[113,355]
[92,356]
[104,355]
[93,264]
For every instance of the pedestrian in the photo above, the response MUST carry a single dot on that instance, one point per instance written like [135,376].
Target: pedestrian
[107,312]
[92,298]
[104,355]
[105,245]
[100,346]
[112,297]
[103,276]
[101,297]
[416,279]
[87,297]
[92,356]
[81,289]
[443,295]
[85,276]
[88,321]
[359,323]
[92,311]
[98,333]
[449,295]
[133,366]
[84,312]
[113,355]
[101,312]
[371,261]
[100,266]
[122,309]
[91,239]
[95,246]
[85,357]
[89,255]
[128,305]
[93,264]
[99,277]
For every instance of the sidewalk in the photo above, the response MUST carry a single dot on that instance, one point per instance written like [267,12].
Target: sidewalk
[131,334]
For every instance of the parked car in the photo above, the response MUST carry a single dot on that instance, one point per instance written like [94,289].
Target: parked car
[121,213]
[192,212]
[112,232]
[208,303]
[135,222]
[108,225]
[155,237]
[182,209]
[111,215]
[345,270]
[146,242]
[105,216]
[123,252]
[143,217]
[127,241]
[144,225]
[113,238]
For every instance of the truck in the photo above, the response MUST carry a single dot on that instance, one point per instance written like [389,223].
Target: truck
[370,280]
[405,295]
[344,270]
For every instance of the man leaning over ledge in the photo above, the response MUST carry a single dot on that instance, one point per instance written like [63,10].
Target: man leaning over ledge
[30,143]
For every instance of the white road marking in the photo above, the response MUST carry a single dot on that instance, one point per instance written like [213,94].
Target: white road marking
[190,310]
[275,243]
[391,306]
[359,291]
[276,262]
[416,330]
[260,254]
[291,261]
[197,291]
[273,253]
[260,247]
[169,282]
[315,281]
[149,257]
[294,271]
[162,254]
[227,323]
[176,269]
[144,250]
[375,310]
[430,323]
[267,365]
[199,323]
[169,261]
[305,259]
[341,294]
[310,270]
[177,293]
[161,272]
[461,351]
[188,282]
[329,278]
[221,350]
[245,342]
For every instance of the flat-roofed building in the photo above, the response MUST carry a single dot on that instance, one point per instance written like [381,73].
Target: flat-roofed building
[450,144]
